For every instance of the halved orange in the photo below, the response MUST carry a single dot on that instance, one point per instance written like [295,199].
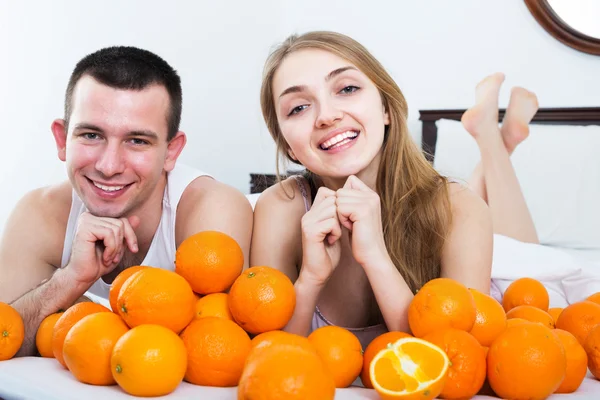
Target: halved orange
[409,368]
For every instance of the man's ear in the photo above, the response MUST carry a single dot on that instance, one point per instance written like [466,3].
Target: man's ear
[60,137]
[174,149]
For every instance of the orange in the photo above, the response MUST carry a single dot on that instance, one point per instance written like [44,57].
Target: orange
[592,349]
[268,339]
[408,369]
[579,319]
[525,292]
[213,305]
[66,321]
[117,284]
[531,314]
[43,337]
[12,331]
[149,360]
[340,351]
[467,370]
[526,361]
[376,345]
[157,296]
[490,319]
[262,299]
[555,313]
[441,303]
[210,261]
[285,371]
[577,362]
[89,345]
[217,349]
[516,321]
[594,297]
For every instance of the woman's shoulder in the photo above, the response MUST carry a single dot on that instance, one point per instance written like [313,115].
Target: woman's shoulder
[276,237]
[464,201]
[290,196]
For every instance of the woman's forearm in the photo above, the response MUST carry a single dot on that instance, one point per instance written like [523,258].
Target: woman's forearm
[392,293]
[307,295]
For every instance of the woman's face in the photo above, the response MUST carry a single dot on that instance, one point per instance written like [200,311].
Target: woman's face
[331,115]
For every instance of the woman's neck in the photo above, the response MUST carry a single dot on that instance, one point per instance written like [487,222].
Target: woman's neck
[368,176]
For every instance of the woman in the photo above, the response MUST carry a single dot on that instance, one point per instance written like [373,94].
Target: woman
[371,221]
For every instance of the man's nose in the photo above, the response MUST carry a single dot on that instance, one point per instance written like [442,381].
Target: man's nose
[111,160]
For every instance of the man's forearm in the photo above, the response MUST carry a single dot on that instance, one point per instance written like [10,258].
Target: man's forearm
[59,292]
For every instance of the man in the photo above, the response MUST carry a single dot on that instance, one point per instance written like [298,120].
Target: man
[126,201]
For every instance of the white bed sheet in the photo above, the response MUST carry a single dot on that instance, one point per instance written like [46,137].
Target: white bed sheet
[43,378]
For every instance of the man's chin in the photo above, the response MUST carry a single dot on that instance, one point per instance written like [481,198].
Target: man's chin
[104,212]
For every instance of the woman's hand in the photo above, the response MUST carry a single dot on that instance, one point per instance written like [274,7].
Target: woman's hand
[359,210]
[321,232]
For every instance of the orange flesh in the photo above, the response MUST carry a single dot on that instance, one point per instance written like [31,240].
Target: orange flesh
[407,367]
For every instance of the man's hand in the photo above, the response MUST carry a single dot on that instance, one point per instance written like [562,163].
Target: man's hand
[99,245]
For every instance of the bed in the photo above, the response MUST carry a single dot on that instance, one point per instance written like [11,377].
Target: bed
[569,263]
[559,173]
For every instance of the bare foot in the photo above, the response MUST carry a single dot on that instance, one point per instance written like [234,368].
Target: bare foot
[522,107]
[484,114]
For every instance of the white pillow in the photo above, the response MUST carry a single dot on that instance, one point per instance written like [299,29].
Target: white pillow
[558,170]
[514,259]
[553,267]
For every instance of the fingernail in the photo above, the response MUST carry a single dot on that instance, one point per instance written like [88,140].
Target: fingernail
[135,247]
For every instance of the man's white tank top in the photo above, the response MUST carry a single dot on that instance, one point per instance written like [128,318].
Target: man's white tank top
[161,253]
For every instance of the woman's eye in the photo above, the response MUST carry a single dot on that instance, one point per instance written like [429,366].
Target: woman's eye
[298,109]
[349,89]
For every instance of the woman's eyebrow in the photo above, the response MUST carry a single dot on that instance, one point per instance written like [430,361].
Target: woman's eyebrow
[331,75]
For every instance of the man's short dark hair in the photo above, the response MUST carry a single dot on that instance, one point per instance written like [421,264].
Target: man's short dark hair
[125,67]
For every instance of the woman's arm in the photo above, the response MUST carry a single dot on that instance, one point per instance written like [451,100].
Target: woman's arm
[360,212]
[467,253]
[391,292]
[277,243]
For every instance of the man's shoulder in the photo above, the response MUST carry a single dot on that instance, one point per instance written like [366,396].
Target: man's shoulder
[208,204]
[41,216]
[52,201]
[206,196]
[207,189]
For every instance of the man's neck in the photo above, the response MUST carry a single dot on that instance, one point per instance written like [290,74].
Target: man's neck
[149,214]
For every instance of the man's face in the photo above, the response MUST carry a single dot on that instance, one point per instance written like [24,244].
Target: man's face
[116,146]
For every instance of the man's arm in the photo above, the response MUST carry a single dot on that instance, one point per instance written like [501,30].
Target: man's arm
[208,204]
[30,249]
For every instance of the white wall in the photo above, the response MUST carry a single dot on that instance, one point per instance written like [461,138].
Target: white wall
[437,50]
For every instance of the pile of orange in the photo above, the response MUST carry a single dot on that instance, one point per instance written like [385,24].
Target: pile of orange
[518,349]
[212,324]
[167,326]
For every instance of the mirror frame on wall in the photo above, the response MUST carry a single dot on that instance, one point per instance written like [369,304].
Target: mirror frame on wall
[553,24]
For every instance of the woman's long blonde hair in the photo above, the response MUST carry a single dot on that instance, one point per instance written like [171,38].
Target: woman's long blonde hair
[414,197]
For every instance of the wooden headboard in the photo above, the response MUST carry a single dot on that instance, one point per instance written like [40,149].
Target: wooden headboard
[554,116]
[551,116]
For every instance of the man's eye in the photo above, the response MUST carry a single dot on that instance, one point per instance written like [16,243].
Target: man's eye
[298,109]
[138,142]
[90,135]
[349,89]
